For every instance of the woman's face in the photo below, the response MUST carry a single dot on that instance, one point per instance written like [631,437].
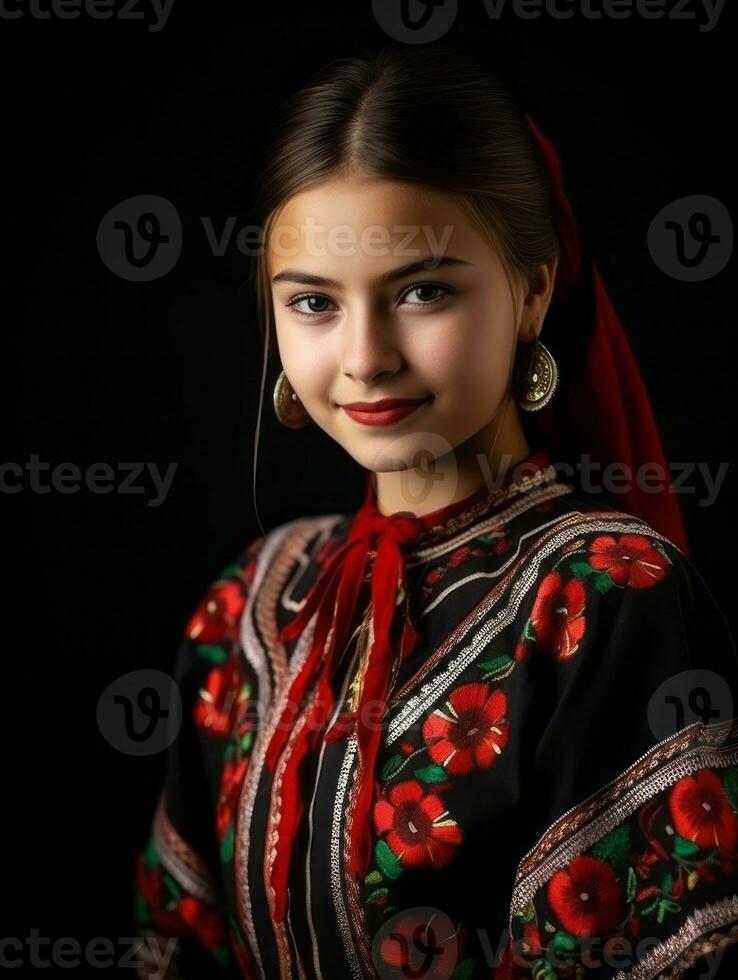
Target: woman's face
[354,324]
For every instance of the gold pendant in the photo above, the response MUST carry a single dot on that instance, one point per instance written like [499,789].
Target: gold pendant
[363,646]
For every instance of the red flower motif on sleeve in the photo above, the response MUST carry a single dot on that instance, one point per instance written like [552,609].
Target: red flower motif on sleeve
[419,829]
[220,702]
[630,560]
[470,730]
[701,812]
[586,897]
[234,771]
[558,616]
[217,616]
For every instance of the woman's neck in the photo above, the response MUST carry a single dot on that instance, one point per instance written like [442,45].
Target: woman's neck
[458,474]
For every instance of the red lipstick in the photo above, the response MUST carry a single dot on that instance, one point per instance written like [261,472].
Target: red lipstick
[386,411]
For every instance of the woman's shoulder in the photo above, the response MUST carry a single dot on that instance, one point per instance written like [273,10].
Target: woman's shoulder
[596,572]
[275,554]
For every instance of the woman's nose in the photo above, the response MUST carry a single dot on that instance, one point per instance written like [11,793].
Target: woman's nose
[368,348]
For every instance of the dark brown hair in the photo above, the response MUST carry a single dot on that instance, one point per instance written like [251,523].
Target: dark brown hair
[431,115]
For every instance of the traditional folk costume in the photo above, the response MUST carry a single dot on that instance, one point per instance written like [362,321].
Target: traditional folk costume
[496,740]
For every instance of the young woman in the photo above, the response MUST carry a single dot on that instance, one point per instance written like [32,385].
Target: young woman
[482,724]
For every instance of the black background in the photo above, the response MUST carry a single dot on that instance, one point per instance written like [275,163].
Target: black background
[107,370]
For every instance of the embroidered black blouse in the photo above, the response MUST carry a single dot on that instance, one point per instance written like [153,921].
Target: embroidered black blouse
[558,781]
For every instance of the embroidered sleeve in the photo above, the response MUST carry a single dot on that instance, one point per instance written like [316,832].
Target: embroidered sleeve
[179,903]
[632,797]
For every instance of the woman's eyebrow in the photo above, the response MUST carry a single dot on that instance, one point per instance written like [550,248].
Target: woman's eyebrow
[428,264]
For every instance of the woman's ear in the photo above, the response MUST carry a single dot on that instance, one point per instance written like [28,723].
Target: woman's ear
[537,300]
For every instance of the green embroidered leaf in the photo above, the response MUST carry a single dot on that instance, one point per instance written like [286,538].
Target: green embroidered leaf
[390,767]
[493,666]
[603,583]
[684,847]
[246,741]
[171,886]
[463,970]
[230,749]
[667,883]
[730,782]
[387,861]
[151,855]
[542,970]
[581,568]
[229,571]
[488,538]
[564,942]
[211,652]
[632,885]
[649,908]
[666,905]
[528,631]
[378,896]
[389,911]
[373,878]
[143,916]
[432,774]
[226,847]
[614,848]
[223,956]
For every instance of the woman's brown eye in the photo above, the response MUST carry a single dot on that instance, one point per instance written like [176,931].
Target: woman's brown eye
[313,299]
[425,299]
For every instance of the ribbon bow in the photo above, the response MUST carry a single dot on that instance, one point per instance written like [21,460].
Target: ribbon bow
[335,596]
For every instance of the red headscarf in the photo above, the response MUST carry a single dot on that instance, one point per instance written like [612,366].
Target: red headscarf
[607,408]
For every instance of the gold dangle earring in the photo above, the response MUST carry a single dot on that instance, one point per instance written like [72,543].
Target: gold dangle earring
[287,406]
[535,376]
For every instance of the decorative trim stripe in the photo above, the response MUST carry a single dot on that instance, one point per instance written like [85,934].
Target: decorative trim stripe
[182,862]
[588,821]
[519,580]
[687,942]
[273,566]
[483,526]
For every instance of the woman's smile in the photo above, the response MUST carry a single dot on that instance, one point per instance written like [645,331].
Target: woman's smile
[386,411]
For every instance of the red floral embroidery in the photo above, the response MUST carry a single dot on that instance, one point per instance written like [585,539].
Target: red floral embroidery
[222,700]
[204,921]
[217,616]
[701,812]
[234,771]
[419,829]
[630,560]
[472,729]
[586,897]
[414,937]
[558,617]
